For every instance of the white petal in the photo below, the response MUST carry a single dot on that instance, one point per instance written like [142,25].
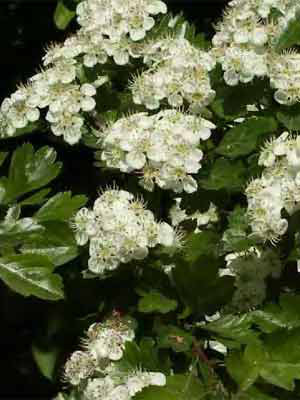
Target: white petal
[136,160]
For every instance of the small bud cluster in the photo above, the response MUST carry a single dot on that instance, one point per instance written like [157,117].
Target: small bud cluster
[94,369]
[245,45]
[277,189]
[164,147]
[177,72]
[250,269]
[119,230]
[178,215]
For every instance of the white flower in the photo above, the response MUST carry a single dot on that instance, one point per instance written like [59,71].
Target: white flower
[79,367]
[107,340]
[245,45]
[139,380]
[119,230]
[277,189]
[163,147]
[178,72]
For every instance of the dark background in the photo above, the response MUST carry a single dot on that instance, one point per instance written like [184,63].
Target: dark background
[25,29]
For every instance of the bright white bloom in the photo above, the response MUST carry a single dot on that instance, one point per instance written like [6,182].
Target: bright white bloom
[139,380]
[108,28]
[57,90]
[278,188]
[162,147]
[285,77]
[245,45]
[80,366]
[95,372]
[108,339]
[178,72]
[119,229]
[16,112]
[98,388]
[118,18]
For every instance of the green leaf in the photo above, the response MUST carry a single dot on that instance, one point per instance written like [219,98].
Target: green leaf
[60,207]
[145,355]
[62,15]
[178,387]
[36,198]
[230,102]
[46,360]
[291,35]
[57,243]
[234,327]
[202,243]
[290,117]
[3,156]
[276,360]
[199,285]
[155,301]
[170,336]
[236,236]
[225,174]
[273,317]
[242,139]
[244,373]
[29,171]
[30,274]
[13,234]
[254,393]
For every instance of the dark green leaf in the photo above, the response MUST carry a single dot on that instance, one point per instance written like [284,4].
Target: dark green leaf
[155,301]
[231,102]
[31,274]
[178,387]
[3,156]
[57,243]
[286,315]
[29,170]
[243,372]
[242,139]
[199,285]
[226,175]
[234,327]
[290,117]
[170,336]
[60,207]
[13,234]
[291,35]
[36,198]
[202,243]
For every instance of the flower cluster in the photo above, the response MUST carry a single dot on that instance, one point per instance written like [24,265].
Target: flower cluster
[177,72]
[277,189]
[285,77]
[107,29]
[118,18]
[57,89]
[164,147]
[250,269]
[95,371]
[119,229]
[178,215]
[245,45]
